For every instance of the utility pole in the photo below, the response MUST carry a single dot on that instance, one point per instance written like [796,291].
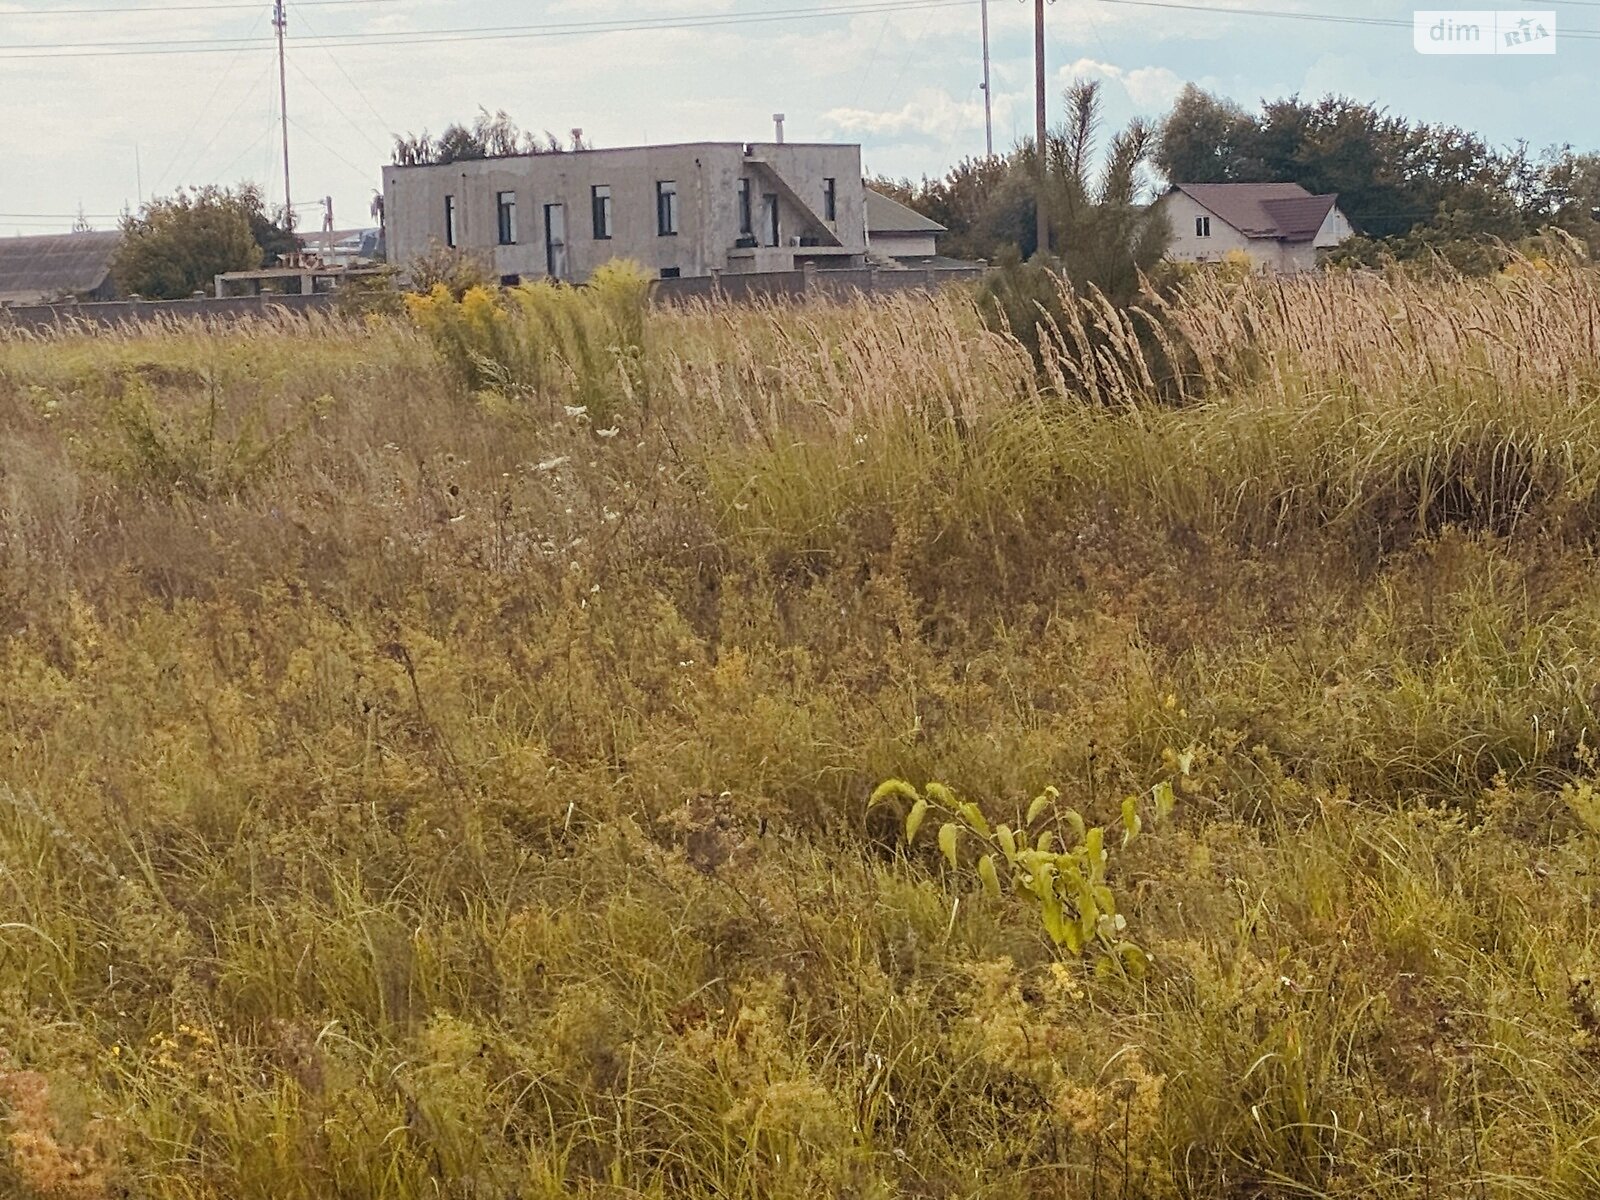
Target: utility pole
[988,103]
[280,22]
[1039,130]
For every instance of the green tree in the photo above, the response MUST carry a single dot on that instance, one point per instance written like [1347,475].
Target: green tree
[1206,139]
[1568,195]
[272,231]
[176,245]
[964,201]
[1102,236]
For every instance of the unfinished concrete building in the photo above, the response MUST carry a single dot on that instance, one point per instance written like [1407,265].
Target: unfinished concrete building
[681,211]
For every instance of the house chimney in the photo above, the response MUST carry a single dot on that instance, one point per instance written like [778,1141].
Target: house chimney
[777,120]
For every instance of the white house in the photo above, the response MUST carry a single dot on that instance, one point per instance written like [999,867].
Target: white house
[1281,226]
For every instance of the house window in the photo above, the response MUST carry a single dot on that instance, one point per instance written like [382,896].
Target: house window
[671,272]
[769,219]
[510,280]
[506,202]
[830,199]
[555,240]
[747,225]
[667,208]
[1202,227]
[600,204]
[450,221]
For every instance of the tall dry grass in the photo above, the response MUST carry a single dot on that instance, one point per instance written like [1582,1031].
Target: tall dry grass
[410,791]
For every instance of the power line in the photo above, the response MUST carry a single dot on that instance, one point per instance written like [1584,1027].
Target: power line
[165,9]
[334,104]
[477,34]
[245,94]
[364,172]
[260,136]
[200,112]
[355,87]
[1330,18]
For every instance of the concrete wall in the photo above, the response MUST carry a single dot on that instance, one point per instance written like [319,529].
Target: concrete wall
[902,244]
[706,175]
[139,312]
[777,285]
[794,285]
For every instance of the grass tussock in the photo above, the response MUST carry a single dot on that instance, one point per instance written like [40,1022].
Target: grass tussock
[428,781]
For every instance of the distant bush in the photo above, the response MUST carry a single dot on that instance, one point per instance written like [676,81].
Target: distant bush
[458,271]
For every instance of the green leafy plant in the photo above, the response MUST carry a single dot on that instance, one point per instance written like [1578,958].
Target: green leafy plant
[1053,861]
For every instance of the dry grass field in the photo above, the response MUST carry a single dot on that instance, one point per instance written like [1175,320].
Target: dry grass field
[436,752]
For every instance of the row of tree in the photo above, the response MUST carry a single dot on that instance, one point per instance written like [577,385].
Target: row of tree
[1411,189]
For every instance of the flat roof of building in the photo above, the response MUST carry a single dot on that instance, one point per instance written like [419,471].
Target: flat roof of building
[542,154]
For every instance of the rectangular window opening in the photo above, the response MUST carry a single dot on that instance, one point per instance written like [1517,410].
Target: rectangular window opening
[506,204]
[555,240]
[830,199]
[747,225]
[600,202]
[671,272]
[450,221]
[666,208]
[1202,227]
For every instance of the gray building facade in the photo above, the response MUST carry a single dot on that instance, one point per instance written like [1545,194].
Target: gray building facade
[681,211]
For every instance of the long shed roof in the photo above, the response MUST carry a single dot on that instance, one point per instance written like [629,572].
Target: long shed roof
[44,267]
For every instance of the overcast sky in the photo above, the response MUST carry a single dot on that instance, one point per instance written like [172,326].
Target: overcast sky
[903,80]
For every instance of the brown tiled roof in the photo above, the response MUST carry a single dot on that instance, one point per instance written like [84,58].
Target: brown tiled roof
[1263,210]
[45,267]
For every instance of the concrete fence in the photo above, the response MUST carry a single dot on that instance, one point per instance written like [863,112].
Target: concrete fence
[782,285]
[771,285]
[112,313]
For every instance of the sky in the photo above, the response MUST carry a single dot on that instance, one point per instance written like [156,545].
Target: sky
[92,120]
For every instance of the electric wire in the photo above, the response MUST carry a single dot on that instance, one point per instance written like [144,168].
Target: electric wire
[167,46]
[334,104]
[354,86]
[167,9]
[200,113]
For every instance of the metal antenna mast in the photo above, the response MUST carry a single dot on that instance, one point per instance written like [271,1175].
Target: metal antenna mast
[988,104]
[1041,132]
[280,22]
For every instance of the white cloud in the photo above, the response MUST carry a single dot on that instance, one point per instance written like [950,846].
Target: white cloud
[930,113]
[1150,89]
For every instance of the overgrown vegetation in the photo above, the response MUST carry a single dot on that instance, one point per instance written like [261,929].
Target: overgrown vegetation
[413,786]
[544,339]
[177,245]
[491,135]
